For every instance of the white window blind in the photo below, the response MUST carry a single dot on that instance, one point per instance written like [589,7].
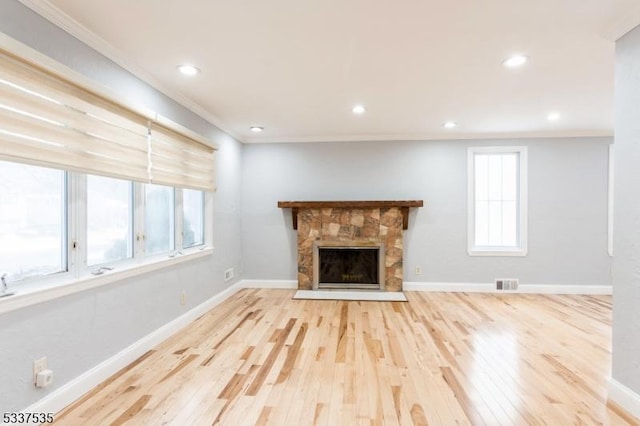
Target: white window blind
[48,120]
[177,160]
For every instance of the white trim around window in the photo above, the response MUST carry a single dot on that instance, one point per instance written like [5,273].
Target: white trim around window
[610,200]
[516,244]
[75,275]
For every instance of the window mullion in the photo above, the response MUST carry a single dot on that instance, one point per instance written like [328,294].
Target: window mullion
[77,206]
[138,222]
[179,220]
[208,219]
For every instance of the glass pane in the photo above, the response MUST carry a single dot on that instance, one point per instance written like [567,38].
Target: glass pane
[109,220]
[193,222]
[32,221]
[509,224]
[481,182]
[497,218]
[482,223]
[158,219]
[495,177]
[495,223]
[509,176]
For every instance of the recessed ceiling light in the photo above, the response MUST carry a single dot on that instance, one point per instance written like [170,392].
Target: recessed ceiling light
[187,69]
[515,61]
[256,129]
[554,116]
[449,124]
[359,109]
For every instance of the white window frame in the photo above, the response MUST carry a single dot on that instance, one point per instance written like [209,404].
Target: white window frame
[521,248]
[68,222]
[79,276]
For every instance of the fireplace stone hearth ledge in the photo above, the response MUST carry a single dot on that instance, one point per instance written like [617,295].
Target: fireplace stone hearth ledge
[347,222]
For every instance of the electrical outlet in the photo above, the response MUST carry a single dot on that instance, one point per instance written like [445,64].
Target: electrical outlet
[183,298]
[38,366]
[418,270]
[228,274]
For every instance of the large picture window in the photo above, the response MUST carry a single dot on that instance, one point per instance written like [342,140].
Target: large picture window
[193,218]
[497,201]
[33,225]
[159,231]
[109,220]
[81,177]
[52,221]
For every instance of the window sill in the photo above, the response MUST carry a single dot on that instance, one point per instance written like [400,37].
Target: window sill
[496,252]
[34,294]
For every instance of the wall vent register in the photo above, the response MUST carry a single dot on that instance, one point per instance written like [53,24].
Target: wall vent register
[507,284]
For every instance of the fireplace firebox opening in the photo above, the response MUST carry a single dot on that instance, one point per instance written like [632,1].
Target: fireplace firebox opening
[348,265]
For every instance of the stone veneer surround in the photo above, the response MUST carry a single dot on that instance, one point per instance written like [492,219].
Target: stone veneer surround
[351,222]
[383,225]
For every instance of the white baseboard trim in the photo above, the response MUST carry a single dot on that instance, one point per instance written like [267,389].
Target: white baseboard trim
[456,287]
[71,391]
[624,397]
[288,284]
[523,288]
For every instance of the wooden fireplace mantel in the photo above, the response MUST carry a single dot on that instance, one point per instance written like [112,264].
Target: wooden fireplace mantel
[403,205]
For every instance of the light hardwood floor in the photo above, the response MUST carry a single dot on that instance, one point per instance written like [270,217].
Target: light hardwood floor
[440,359]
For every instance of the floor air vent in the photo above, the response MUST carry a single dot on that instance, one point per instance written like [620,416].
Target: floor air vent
[507,284]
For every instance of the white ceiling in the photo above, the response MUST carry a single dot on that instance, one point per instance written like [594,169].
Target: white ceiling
[296,67]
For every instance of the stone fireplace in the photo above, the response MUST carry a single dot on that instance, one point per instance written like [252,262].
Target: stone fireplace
[351,235]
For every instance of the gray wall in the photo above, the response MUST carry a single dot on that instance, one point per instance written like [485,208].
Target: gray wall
[80,331]
[626,266]
[567,224]
[567,206]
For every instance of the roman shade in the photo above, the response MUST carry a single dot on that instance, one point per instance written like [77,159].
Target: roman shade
[177,160]
[48,120]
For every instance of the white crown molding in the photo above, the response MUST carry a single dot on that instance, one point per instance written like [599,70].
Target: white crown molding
[433,136]
[57,17]
[619,27]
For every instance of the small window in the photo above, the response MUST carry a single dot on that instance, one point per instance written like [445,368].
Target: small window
[109,220]
[193,218]
[33,221]
[497,201]
[159,224]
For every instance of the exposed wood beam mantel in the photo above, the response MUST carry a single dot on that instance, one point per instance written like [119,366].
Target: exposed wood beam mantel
[403,205]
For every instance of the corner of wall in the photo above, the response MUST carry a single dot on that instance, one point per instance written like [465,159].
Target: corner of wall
[624,397]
